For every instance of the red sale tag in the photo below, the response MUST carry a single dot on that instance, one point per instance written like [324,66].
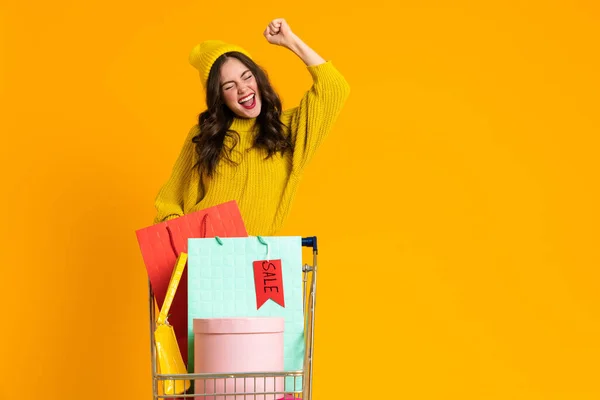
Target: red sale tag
[268,282]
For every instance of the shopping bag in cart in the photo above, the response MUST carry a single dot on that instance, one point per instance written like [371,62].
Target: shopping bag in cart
[161,244]
[228,278]
[168,354]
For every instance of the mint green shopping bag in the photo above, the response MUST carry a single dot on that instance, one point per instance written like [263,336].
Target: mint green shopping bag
[223,274]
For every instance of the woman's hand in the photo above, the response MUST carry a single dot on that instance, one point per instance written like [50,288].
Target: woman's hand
[278,32]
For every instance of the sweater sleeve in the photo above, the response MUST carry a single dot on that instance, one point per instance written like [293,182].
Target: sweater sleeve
[312,119]
[169,201]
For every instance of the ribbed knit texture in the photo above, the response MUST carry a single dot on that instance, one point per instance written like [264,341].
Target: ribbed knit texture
[263,189]
[203,56]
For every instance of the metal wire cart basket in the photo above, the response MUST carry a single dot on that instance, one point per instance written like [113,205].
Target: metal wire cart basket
[236,382]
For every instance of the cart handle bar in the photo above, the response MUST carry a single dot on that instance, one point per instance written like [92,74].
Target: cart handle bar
[310,241]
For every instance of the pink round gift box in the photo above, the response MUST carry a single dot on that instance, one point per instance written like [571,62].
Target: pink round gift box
[239,345]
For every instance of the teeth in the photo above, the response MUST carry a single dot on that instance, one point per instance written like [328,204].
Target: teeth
[245,99]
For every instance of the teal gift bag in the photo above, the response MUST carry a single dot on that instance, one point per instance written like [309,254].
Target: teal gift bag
[249,277]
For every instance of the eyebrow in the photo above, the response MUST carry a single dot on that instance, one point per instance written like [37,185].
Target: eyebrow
[241,76]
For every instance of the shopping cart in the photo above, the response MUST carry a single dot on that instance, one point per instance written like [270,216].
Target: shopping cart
[235,379]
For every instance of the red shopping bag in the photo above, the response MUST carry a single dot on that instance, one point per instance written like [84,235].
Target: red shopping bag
[162,243]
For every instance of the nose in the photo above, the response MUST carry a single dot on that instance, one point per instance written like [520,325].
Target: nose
[242,89]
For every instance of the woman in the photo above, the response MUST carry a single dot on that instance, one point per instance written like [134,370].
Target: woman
[244,147]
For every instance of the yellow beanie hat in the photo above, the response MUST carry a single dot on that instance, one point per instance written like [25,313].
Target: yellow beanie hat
[203,55]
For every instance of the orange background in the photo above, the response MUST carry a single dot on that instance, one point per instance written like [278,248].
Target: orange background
[456,197]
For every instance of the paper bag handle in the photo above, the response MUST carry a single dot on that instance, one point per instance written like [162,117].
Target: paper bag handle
[203,225]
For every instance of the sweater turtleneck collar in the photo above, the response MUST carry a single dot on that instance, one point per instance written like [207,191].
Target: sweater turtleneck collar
[243,124]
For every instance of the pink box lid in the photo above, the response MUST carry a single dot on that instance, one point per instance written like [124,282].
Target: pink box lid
[239,325]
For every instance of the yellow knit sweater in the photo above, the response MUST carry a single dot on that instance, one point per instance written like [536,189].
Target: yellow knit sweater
[263,189]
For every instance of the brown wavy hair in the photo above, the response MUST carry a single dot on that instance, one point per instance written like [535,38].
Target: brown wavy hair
[215,122]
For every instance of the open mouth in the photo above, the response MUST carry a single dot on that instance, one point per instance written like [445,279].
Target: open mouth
[248,102]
